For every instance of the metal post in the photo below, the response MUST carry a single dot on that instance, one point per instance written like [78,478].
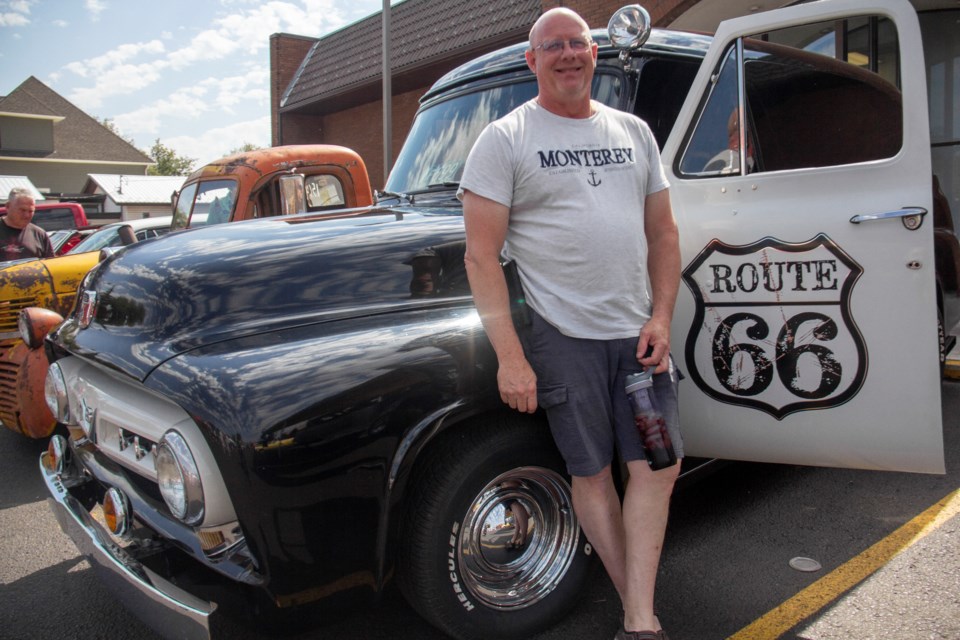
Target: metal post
[387,95]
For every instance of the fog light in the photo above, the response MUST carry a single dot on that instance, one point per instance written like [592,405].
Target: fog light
[58,452]
[34,323]
[116,512]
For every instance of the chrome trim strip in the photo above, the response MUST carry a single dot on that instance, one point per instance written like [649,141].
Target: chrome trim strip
[164,607]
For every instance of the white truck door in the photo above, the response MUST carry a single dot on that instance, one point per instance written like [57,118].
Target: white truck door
[806,323]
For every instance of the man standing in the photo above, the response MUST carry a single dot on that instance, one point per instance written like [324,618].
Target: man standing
[573,191]
[19,237]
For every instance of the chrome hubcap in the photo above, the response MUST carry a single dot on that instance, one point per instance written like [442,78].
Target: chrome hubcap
[518,539]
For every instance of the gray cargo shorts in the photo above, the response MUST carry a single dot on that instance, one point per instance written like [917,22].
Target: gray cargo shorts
[581,387]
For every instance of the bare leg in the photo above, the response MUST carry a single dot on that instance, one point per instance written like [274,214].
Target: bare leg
[645,509]
[628,541]
[597,505]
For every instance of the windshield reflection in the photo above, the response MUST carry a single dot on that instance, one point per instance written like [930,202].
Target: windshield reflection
[443,134]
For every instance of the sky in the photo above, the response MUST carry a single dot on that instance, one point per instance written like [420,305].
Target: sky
[194,74]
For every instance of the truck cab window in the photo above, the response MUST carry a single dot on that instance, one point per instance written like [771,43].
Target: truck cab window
[818,96]
[710,151]
[323,191]
[214,202]
[663,85]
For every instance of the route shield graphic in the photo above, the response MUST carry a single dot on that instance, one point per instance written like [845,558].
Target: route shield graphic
[772,328]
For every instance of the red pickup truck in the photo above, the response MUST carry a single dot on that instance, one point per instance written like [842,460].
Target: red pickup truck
[54,216]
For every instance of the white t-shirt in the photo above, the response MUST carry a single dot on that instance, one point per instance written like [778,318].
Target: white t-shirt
[576,190]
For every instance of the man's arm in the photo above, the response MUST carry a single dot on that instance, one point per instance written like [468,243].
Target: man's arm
[486,224]
[663,264]
[44,246]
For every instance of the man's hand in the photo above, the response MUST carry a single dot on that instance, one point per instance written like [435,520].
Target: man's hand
[518,385]
[654,336]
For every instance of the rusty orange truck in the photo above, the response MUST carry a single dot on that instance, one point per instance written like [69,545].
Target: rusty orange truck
[273,181]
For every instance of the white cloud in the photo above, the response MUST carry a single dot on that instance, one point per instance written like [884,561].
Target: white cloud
[92,67]
[185,77]
[216,143]
[249,88]
[14,13]
[60,23]
[95,7]
[188,103]
[113,74]
[207,45]
[249,30]
[120,80]
[13,19]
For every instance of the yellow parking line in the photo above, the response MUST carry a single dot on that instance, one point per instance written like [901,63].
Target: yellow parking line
[952,369]
[825,590]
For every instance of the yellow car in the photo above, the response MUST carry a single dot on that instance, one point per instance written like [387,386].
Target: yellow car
[51,284]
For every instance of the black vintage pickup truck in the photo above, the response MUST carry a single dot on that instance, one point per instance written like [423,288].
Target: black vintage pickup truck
[274,415]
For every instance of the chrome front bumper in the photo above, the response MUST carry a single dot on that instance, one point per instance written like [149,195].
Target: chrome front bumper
[164,607]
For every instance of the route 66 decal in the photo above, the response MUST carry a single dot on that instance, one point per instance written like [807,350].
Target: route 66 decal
[772,328]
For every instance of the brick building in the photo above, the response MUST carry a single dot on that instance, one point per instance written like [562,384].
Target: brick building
[329,90]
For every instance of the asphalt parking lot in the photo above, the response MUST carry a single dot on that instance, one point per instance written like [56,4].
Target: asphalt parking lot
[888,545]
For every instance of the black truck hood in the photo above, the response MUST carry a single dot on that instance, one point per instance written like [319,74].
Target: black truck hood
[207,285]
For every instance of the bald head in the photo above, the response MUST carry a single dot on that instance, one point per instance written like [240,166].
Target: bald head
[552,15]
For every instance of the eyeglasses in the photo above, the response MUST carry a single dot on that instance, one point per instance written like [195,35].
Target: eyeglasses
[577,45]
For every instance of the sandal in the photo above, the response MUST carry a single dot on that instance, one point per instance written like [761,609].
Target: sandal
[623,634]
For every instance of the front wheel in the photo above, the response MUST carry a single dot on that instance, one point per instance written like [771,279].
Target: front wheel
[491,546]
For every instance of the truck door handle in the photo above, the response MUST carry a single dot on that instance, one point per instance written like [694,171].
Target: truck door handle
[912,217]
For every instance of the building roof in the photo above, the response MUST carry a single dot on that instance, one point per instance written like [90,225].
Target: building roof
[421,32]
[9,182]
[76,135]
[133,189]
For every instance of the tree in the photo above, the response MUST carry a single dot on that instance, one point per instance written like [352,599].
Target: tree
[168,162]
[108,123]
[246,146]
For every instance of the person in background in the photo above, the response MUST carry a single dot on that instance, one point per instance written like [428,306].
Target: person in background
[586,234]
[19,237]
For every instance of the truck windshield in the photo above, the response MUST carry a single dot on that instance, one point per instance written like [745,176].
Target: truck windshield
[443,134]
[205,203]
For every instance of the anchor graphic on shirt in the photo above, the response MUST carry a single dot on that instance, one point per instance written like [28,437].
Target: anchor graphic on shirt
[593,182]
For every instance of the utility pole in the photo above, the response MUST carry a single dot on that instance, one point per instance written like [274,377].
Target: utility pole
[387,95]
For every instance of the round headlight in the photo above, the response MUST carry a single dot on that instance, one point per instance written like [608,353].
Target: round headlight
[179,478]
[55,393]
[34,323]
